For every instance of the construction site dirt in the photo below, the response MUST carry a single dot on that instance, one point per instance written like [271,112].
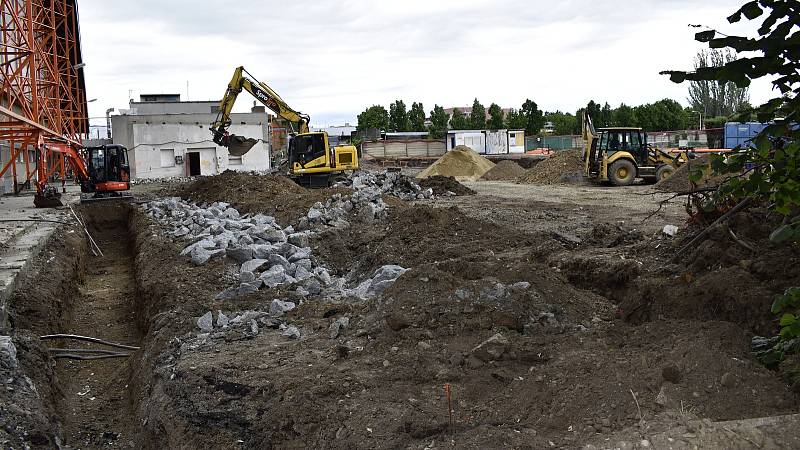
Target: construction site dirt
[530,316]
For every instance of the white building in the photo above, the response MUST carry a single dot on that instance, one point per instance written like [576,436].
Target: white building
[488,142]
[166,138]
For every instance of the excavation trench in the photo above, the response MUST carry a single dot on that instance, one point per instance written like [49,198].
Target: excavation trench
[78,290]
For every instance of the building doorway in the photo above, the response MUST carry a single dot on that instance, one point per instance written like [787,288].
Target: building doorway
[194,163]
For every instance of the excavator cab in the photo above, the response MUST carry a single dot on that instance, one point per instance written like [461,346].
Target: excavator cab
[109,171]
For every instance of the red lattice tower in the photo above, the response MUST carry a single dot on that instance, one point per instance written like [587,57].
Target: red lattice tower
[43,96]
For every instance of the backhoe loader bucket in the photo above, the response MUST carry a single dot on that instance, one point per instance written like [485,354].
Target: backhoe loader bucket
[239,145]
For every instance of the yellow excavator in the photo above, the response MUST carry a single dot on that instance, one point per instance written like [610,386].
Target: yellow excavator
[312,161]
[620,155]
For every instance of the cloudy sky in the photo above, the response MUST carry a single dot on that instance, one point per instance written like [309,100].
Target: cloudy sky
[331,59]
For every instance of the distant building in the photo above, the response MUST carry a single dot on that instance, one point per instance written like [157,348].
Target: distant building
[166,137]
[338,134]
[488,142]
[548,128]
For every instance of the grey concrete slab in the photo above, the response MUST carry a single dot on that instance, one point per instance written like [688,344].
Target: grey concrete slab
[21,237]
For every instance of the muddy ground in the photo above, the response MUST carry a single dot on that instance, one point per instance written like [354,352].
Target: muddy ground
[608,338]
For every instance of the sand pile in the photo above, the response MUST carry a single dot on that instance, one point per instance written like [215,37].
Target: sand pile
[505,170]
[442,185]
[559,168]
[679,181]
[462,163]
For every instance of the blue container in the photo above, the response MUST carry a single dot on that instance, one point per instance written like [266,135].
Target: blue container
[756,128]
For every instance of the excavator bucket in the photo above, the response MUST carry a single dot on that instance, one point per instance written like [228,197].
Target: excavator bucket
[239,145]
[48,198]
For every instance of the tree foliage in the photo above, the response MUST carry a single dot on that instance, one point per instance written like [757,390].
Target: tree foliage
[769,170]
[623,116]
[477,118]
[374,117]
[714,98]
[534,118]
[563,123]
[515,120]
[398,117]
[459,120]
[439,119]
[496,117]
[416,117]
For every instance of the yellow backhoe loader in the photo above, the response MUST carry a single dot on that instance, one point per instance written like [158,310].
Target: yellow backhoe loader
[312,161]
[620,155]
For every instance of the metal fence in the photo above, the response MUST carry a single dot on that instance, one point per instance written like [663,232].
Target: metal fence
[709,138]
[404,149]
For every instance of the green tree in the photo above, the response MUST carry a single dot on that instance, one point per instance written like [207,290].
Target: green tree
[606,116]
[477,118]
[398,117]
[593,109]
[714,98]
[496,117]
[534,119]
[515,120]
[374,117]
[439,119]
[459,121]
[624,117]
[768,172]
[563,123]
[417,117]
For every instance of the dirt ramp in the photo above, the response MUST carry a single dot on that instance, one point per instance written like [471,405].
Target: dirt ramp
[563,167]
[505,170]
[462,162]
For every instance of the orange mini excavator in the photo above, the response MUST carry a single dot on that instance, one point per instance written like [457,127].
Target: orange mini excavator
[103,173]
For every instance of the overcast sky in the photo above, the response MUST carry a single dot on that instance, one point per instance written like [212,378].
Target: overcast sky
[331,59]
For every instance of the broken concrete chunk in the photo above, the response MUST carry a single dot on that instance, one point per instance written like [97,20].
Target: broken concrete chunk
[222,319]
[228,294]
[492,349]
[247,277]
[670,230]
[278,308]
[274,277]
[240,254]
[8,353]
[253,265]
[300,253]
[299,239]
[301,273]
[253,327]
[200,255]
[206,322]
[291,332]
[338,326]
[566,238]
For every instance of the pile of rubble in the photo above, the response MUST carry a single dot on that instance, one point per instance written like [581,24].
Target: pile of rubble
[269,256]
[365,205]
[386,182]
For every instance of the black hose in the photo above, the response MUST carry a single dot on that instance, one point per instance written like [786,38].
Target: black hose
[82,350]
[87,339]
[89,358]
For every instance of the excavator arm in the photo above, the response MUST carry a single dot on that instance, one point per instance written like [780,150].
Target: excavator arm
[242,80]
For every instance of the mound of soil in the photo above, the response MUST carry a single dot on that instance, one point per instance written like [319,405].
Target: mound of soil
[271,194]
[462,162]
[442,185]
[559,168]
[679,181]
[505,170]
